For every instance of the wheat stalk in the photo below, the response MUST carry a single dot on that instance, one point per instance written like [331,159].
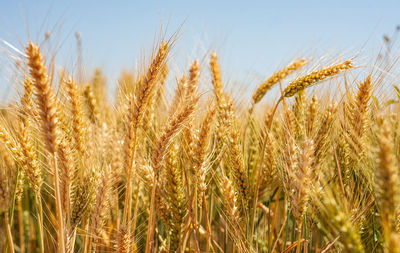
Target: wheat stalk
[48,112]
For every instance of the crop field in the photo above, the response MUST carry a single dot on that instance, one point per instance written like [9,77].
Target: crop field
[285,167]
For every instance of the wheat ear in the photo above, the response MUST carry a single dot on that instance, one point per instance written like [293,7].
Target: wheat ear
[314,77]
[174,125]
[386,185]
[48,112]
[276,78]
[135,115]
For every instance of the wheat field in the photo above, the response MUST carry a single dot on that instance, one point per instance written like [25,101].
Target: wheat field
[196,171]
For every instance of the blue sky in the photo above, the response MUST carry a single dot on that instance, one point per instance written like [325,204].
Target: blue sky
[252,38]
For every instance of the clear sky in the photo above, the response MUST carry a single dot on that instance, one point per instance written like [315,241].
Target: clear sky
[252,38]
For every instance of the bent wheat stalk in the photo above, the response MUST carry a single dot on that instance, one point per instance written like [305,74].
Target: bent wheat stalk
[295,86]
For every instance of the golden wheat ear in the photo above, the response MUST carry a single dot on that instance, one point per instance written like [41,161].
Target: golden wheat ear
[321,138]
[276,78]
[232,211]
[301,180]
[78,121]
[101,207]
[342,227]
[312,114]
[173,127]
[174,189]
[387,185]
[240,177]
[91,104]
[216,78]
[314,77]
[46,102]
[137,107]
[200,152]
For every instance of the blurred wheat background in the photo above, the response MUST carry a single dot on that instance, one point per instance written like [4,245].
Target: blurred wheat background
[251,127]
